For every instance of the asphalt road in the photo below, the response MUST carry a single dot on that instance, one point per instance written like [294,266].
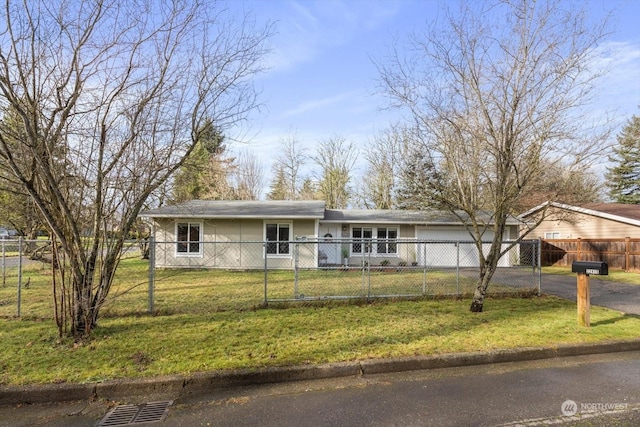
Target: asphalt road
[600,389]
[604,293]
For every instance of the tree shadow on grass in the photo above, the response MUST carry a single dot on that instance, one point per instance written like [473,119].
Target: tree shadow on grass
[613,320]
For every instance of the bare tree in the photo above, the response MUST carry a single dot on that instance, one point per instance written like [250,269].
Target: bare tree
[385,158]
[336,159]
[494,92]
[287,165]
[248,177]
[561,184]
[111,97]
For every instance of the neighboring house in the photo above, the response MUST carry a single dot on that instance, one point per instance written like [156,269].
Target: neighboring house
[7,233]
[591,221]
[230,234]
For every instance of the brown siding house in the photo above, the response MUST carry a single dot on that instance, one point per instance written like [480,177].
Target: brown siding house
[607,232]
[591,221]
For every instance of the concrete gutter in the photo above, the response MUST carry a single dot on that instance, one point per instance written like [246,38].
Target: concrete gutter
[180,385]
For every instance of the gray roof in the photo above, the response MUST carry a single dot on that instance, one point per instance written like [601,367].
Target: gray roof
[404,217]
[240,209]
[380,216]
[306,210]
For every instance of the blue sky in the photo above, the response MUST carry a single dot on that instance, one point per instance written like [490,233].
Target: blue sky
[322,78]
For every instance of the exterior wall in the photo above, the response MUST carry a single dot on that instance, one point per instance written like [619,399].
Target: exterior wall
[238,244]
[405,252]
[455,247]
[407,248]
[229,243]
[579,225]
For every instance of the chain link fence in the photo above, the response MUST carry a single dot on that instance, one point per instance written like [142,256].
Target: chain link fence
[25,276]
[26,287]
[306,270]
[187,277]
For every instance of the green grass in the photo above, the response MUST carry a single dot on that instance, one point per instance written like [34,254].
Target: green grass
[211,320]
[631,278]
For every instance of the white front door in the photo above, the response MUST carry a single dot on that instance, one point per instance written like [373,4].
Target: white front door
[329,250]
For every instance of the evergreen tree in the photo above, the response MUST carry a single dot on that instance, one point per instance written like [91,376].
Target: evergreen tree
[309,190]
[278,186]
[415,175]
[623,179]
[204,174]
[17,209]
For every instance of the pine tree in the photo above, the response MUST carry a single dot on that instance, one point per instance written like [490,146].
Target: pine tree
[413,191]
[204,174]
[309,190]
[623,179]
[278,186]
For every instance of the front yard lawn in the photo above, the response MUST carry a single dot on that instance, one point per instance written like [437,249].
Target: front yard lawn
[209,321]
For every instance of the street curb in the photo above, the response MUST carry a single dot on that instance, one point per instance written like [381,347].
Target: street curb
[179,385]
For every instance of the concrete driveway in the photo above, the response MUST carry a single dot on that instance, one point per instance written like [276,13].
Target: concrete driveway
[604,293]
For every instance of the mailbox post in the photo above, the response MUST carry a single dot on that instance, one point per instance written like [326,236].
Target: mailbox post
[584,269]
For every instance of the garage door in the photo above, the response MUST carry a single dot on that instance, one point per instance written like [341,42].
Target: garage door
[450,245]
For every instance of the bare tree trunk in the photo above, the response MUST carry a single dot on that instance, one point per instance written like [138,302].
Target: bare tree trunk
[482,284]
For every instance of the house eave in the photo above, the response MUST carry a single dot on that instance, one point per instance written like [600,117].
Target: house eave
[195,216]
[582,210]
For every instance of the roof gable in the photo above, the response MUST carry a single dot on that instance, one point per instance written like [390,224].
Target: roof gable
[627,214]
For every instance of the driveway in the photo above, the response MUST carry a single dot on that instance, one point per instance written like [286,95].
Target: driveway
[614,295]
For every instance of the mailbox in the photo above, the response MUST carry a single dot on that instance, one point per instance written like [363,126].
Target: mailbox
[590,267]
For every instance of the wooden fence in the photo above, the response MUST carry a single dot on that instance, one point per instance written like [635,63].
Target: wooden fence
[620,254]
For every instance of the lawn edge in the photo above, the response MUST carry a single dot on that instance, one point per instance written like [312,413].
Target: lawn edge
[181,385]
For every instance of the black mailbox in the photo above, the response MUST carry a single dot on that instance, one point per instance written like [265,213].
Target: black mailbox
[590,267]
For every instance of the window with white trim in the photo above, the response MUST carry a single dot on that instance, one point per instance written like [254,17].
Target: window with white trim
[277,236]
[384,243]
[188,238]
[552,235]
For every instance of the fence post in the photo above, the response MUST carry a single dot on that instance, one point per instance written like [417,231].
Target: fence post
[424,268]
[19,274]
[539,262]
[264,246]
[4,265]
[152,270]
[296,265]
[458,268]
[579,254]
[369,273]
[627,253]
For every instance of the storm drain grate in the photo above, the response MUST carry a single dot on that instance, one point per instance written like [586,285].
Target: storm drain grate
[128,415]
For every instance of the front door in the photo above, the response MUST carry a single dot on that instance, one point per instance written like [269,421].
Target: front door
[329,246]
